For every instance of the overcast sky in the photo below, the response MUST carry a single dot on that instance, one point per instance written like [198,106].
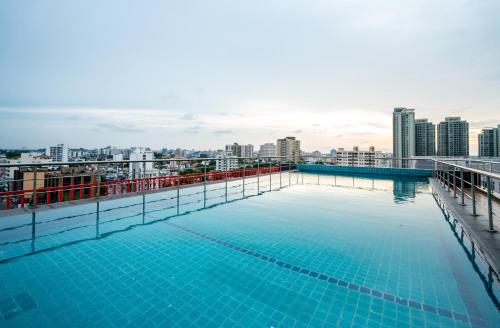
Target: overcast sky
[200,74]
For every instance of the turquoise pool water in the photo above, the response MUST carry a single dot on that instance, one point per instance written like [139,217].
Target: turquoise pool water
[323,251]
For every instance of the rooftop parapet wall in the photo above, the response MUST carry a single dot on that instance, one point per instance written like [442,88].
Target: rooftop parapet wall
[387,171]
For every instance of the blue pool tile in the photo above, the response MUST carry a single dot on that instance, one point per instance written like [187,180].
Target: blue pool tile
[401,301]
[460,317]
[428,308]
[332,280]
[445,313]
[389,297]
[343,283]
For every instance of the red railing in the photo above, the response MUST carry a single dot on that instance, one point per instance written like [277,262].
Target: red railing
[58,194]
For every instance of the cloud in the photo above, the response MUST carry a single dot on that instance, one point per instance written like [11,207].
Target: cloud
[380,125]
[188,116]
[72,118]
[223,132]
[484,124]
[193,129]
[316,124]
[117,128]
[297,131]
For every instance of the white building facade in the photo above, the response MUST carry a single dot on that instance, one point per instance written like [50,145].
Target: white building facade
[226,163]
[142,169]
[267,150]
[58,153]
[403,134]
[356,157]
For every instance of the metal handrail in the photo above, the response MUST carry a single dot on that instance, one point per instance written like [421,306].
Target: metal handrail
[448,180]
[470,169]
[91,189]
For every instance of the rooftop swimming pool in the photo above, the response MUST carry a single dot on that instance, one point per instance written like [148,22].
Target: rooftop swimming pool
[322,251]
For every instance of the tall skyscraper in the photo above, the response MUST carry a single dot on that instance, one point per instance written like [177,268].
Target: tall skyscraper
[425,138]
[289,148]
[403,134]
[233,150]
[239,150]
[488,142]
[246,150]
[453,137]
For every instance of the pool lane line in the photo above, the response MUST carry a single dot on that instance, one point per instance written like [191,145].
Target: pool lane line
[320,276]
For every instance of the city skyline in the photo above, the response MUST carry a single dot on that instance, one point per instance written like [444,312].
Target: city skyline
[196,76]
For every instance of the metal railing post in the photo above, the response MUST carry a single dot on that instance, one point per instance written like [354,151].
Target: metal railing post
[205,186]
[270,176]
[473,192]
[143,176]
[448,178]
[454,182]
[258,176]
[178,189]
[490,208]
[296,173]
[33,194]
[279,162]
[225,180]
[462,186]
[243,181]
[289,177]
[97,220]
[98,193]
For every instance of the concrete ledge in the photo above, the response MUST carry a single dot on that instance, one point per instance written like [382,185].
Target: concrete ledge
[385,171]
[476,226]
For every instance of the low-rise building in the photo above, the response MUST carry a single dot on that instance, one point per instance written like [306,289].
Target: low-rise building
[142,169]
[356,157]
[58,153]
[226,163]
